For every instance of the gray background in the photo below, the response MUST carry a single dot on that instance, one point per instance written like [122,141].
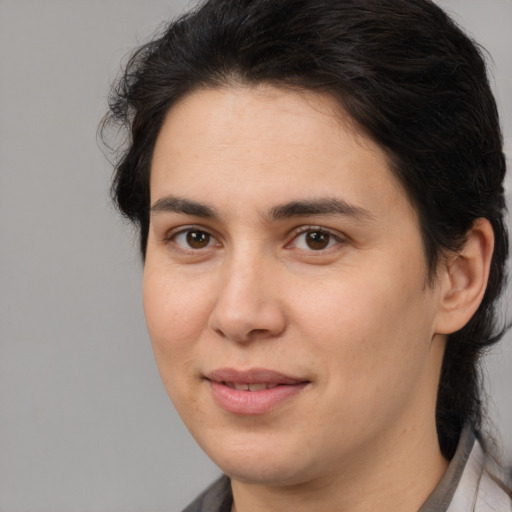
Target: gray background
[85,424]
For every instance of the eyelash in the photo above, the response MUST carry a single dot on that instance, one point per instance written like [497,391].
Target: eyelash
[186,231]
[333,239]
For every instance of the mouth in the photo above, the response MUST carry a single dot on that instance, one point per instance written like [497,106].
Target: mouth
[249,387]
[252,392]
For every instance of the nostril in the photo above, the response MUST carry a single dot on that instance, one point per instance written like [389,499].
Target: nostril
[255,332]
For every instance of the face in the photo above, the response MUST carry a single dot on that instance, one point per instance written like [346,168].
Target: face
[285,286]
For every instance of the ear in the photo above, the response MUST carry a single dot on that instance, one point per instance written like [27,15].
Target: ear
[463,278]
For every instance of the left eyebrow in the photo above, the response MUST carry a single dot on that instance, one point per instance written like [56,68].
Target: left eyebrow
[321,206]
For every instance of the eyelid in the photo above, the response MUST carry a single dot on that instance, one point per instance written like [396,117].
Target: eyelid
[339,237]
[170,237]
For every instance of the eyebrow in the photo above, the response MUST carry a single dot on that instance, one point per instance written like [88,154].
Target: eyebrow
[322,206]
[299,208]
[185,206]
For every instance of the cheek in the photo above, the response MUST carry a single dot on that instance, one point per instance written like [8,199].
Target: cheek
[175,313]
[372,344]
[175,318]
[370,321]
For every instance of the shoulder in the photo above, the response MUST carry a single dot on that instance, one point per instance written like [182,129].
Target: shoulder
[484,486]
[217,498]
[495,488]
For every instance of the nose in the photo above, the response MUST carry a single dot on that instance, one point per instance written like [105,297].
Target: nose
[248,305]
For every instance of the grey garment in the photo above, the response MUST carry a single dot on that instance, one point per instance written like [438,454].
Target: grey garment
[472,483]
[483,486]
[217,498]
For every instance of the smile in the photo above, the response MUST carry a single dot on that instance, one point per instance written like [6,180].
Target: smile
[249,387]
[252,392]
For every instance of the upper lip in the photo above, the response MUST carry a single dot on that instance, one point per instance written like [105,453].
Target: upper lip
[252,376]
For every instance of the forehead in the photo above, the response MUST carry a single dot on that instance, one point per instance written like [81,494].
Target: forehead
[264,143]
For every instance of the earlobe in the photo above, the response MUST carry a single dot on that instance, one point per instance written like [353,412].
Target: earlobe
[464,278]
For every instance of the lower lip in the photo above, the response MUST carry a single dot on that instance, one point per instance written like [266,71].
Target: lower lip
[253,402]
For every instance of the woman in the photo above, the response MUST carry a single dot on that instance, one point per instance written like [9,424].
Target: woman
[318,188]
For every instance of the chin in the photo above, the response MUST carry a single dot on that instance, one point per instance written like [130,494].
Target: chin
[260,462]
[265,473]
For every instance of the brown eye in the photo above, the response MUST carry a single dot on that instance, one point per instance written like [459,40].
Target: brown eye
[193,239]
[317,240]
[197,239]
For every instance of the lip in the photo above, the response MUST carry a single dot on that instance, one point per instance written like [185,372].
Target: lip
[270,389]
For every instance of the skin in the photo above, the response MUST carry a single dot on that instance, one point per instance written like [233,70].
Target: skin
[338,300]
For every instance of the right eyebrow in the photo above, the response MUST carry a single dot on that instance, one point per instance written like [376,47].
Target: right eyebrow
[320,206]
[185,206]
